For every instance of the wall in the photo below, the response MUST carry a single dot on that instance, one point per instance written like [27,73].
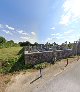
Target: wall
[46,56]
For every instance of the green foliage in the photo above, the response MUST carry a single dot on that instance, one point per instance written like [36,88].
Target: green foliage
[7,65]
[7,44]
[12,60]
[27,43]
[8,58]
[2,40]
[41,65]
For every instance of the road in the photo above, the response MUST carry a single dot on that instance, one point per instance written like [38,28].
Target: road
[68,81]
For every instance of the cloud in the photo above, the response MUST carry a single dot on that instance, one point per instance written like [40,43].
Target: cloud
[56,34]
[10,28]
[52,28]
[25,38]
[69,35]
[30,37]
[19,35]
[22,32]
[69,31]
[33,33]
[7,32]
[65,19]
[1,26]
[71,11]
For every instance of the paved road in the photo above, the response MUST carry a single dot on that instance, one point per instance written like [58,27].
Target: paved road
[68,81]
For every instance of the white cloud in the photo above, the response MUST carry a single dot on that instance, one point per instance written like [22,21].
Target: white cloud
[71,11]
[69,31]
[56,34]
[22,32]
[69,35]
[33,33]
[52,28]
[30,37]
[25,38]
[65,19]
[19,35]
[7,32]
[10,28]
[1,26]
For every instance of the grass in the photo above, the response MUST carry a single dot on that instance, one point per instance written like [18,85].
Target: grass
[9,53]
[9,57]
[12,60]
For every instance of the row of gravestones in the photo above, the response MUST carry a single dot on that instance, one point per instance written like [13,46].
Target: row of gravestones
[47,48]
[39,48]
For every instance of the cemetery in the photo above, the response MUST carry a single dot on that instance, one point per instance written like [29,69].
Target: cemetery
[34,55]
[46,53]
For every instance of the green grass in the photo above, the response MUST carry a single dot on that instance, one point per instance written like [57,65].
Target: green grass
[9,53]
[11,59]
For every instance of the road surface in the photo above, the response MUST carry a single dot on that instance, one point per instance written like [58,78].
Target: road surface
[68,81]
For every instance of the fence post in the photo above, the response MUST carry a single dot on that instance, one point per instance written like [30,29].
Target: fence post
[40,72]
[78,58]
[67,62]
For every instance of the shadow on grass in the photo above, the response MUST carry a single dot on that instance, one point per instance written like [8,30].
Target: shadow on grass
[20,63]
[21,51]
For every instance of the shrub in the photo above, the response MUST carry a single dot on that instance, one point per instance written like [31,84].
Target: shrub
[41,65]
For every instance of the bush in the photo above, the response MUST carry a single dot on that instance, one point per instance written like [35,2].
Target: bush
[7,65]
[41,65]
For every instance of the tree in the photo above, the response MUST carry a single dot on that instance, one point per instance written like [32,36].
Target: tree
[2,40]
[27,43]
[10,43]
[36,44]
[70,45]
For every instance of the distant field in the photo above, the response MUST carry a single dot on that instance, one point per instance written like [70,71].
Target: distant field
[9,53]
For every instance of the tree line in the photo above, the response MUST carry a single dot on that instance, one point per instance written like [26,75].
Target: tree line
[5,44]
[11,43]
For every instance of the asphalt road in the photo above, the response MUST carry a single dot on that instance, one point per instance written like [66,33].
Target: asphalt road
[67,81]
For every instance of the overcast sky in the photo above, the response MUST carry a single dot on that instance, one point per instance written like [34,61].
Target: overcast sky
[40,20]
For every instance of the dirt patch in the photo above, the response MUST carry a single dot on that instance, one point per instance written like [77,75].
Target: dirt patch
[4,80]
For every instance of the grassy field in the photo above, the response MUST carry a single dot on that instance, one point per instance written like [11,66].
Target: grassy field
[9,53]
[10,58]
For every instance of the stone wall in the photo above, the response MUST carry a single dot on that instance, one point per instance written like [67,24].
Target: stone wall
[46,56]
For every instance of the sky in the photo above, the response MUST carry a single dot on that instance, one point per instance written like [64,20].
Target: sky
[40,20]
